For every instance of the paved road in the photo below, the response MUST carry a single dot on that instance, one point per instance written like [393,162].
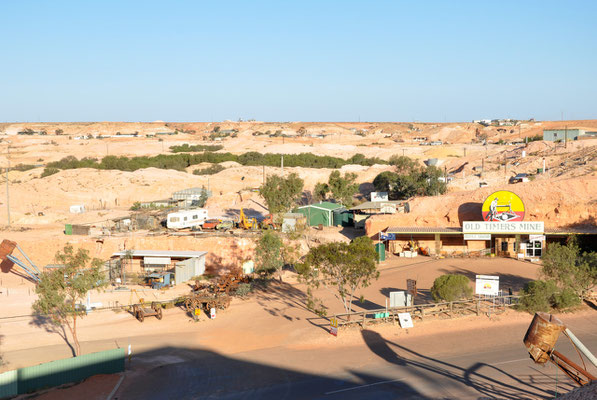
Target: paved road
[489,363]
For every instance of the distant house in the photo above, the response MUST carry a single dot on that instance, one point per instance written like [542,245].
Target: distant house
[190,197]
[519,178]
[554,135]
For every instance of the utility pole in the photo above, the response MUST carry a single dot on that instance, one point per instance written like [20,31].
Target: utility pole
[7,194]
[464,151]
[264,174]
[282,164]
[566,137]
[403,150]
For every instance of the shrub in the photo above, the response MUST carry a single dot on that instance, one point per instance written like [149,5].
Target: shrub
[566,299]
[136,206]
[545,295]
[23,167]
[243,289]
[186,148]
[213,169]
[451,287]
[49,171]
[538,296]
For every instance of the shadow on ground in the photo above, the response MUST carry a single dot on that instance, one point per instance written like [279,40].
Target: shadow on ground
[487,381]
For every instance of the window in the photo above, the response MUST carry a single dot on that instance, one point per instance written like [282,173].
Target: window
[504,246]
[174,219]
[195,216]
[185,218]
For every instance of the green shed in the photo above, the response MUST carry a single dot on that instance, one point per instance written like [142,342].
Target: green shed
[319,213]
[343,217]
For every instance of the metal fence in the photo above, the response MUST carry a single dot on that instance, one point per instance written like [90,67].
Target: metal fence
[55,373]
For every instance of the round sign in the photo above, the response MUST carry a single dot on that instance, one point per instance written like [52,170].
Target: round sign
[503,206]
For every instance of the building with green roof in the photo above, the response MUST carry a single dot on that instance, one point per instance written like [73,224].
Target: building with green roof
[319,213]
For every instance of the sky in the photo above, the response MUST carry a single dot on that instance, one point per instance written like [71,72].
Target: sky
[427,61]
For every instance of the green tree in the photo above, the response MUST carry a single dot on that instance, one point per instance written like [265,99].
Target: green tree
[281,193]
[320,192]
[409,179]
[569,268]
[269,256]
[451,287]
[340,267]
[203,197]
[343,188]
[62,292]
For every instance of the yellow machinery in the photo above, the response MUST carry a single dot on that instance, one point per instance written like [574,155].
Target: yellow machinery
[245,222]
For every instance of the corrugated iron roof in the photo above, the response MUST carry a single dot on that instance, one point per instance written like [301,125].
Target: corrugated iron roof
[162,253]
[423,229]
[375,205]
[324,205]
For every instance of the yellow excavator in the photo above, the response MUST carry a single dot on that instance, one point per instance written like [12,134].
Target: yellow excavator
[245,222]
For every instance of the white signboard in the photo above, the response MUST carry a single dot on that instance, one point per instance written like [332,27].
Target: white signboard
[477,236]
[533,238]
[405,320]
[502,227]
[487,285]
[379,196]
[213,313]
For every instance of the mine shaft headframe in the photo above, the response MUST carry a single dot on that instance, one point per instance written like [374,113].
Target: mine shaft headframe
[540,341]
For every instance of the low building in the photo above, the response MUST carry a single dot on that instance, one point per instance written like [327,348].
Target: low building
[554,135]
[319,213]
[291,221]
[184,264]
[190,197]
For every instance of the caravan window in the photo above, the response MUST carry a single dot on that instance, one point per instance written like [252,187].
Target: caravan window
[185,218]
[174,219]
[195,216]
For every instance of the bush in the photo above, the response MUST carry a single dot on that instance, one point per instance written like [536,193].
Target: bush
[451,287]
[566,299]
[185,148]
[545,295]
[538,296]
[23,167]
[49,171]
[214,169]
[243,289]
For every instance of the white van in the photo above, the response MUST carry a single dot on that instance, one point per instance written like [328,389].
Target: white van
[186,218]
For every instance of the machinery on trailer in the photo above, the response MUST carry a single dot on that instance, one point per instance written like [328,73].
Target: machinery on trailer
[140,311]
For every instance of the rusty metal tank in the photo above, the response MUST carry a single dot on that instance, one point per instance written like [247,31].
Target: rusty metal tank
[542,335]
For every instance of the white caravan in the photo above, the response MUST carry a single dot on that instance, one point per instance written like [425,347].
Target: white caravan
[186,218]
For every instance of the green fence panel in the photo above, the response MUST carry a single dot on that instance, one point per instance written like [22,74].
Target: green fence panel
[68,229]
[9,384]
[68,370]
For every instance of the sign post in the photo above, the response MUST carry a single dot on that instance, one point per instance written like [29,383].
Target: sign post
[334,327]
[213,313]
[411,287]
[487,285]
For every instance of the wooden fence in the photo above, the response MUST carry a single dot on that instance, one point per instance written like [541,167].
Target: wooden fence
[476,306]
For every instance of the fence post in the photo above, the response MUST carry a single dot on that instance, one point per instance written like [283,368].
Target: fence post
[478,307]
[451,309]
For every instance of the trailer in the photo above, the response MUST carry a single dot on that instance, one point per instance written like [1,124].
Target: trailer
[140,312]
[187,218]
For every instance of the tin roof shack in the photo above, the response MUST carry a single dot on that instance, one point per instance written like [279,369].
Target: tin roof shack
[292,221]
[184,264]
[191,197]
[166,203]
[319,213]
[368,208]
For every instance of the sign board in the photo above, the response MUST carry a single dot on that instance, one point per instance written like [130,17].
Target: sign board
[213,313]
[405,320]
[379,196]
[400,299]
[411,286]
[502,227]
[388,208]
[387,236]
[197,311]
[533,238]
[477,236]
[487,285]
[503,206]
[334,327]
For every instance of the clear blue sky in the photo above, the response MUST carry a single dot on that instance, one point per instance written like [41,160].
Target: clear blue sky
[302,60]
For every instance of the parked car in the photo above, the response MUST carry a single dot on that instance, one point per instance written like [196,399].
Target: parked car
[519,178]
[211,223]
[225,225]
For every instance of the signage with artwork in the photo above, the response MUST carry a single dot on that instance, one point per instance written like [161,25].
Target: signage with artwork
[487,285]
[503,206]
